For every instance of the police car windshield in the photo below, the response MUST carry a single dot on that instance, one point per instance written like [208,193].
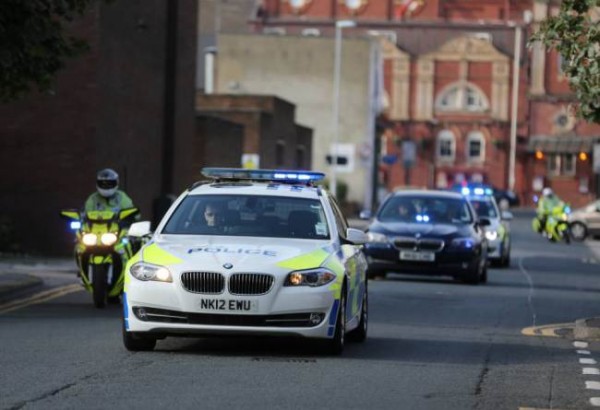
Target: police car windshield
[425,209]
[249,215]
[484,207]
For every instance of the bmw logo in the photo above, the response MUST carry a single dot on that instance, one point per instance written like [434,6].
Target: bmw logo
[228,266]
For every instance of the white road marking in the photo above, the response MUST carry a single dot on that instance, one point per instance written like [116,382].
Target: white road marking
[583,352]
[587,361]
[595,401]
[580,345]
[592,385]
[590,370]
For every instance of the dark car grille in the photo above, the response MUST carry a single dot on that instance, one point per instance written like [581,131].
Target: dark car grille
[203,282]
[250,283]
[434,245]
[287,320]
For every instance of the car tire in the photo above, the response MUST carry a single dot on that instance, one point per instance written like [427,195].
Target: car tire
[360,333]
[505,262]
[578,231]
[473,275]
[335,345]
[135,342]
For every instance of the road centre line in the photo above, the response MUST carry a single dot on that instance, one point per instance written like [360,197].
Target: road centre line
[587,361]
[583,352]
[40,297]
[581,345]
[592,385]
[590,370]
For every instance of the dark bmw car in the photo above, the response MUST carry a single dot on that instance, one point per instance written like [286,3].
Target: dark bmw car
[428,232]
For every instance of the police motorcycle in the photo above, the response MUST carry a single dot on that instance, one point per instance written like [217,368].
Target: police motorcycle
[102,250]
[556,225]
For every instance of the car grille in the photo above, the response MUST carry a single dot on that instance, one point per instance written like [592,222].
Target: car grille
[433,245]
[250,283]
[288,320]
[203,282]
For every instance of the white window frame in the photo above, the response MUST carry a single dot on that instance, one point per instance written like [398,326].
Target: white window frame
[460,94]
[475,136]
[446,136]
[557,165]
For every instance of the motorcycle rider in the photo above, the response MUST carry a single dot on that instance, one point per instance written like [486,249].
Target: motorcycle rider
[546,205]
[108,197]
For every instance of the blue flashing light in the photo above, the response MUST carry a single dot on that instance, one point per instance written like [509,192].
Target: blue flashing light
[478,191]
[263,174]
[465,191]
[488,191]
[425,218]
[567,209]
[419,218]
[469,244]
[75,225]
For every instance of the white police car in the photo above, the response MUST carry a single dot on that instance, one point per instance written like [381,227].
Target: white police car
[498,232]
[248,252]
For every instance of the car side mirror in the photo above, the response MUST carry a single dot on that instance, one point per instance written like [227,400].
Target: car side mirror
[356,236]
[139,229]
[507,216]
[484,222]
[365,214]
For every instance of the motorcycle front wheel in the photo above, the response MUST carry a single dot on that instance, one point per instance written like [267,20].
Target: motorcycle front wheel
[99,285]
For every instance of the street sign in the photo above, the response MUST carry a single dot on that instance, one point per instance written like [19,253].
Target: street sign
[596,158]
[250,161]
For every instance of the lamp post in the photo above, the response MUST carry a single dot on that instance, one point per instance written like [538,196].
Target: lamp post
[337,66]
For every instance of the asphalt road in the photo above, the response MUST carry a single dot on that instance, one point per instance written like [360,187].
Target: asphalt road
[433,344]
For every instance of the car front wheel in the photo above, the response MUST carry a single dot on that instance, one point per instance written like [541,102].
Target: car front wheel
[578,231]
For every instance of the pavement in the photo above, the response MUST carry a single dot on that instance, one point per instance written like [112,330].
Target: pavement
[22,275]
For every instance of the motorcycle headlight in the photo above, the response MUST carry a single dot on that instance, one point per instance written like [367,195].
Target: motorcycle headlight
[108,238]
[89,239]
[491,235]
[376,237]
[312,278]
[145,271]
[464,243]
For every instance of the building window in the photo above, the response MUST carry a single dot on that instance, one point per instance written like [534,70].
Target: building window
[462,97]
[279,153]
[446,145]
[561,164]
[475,147]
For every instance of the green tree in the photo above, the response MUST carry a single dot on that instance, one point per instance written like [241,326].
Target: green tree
[575,34]
[34,43]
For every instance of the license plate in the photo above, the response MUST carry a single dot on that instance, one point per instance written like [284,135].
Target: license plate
[229,305]
[417,256]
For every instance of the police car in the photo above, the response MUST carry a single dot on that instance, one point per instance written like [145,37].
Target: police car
[248,252]
[498,232]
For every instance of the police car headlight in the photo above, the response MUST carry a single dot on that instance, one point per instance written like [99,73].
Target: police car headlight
[89,239]
[491,235]
[108,238]
[312,278]
[146,271]
[376,237]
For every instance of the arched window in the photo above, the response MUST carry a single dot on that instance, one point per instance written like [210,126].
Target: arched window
[462,97]
[446,145]
[475,147]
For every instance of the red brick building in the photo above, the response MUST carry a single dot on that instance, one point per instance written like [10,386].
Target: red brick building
[452,84]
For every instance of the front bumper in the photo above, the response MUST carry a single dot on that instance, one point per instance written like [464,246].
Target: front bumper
[386,257]
[168,309]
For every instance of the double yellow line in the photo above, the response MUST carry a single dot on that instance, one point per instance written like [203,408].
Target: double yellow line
[39,298]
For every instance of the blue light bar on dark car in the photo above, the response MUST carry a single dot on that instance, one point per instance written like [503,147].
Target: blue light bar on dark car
[284,176]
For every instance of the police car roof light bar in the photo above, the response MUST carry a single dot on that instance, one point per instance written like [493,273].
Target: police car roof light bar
[271,175]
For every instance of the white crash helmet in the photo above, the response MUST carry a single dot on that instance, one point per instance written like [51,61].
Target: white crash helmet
[547,192]
[107,182]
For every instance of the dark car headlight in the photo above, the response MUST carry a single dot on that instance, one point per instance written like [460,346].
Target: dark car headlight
[375,237]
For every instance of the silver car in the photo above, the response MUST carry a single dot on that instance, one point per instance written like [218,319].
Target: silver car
[585,221]
[498,232]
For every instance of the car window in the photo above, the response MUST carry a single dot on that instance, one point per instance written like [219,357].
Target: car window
[484,207]
[425,209]
[249,215]
[340,220]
